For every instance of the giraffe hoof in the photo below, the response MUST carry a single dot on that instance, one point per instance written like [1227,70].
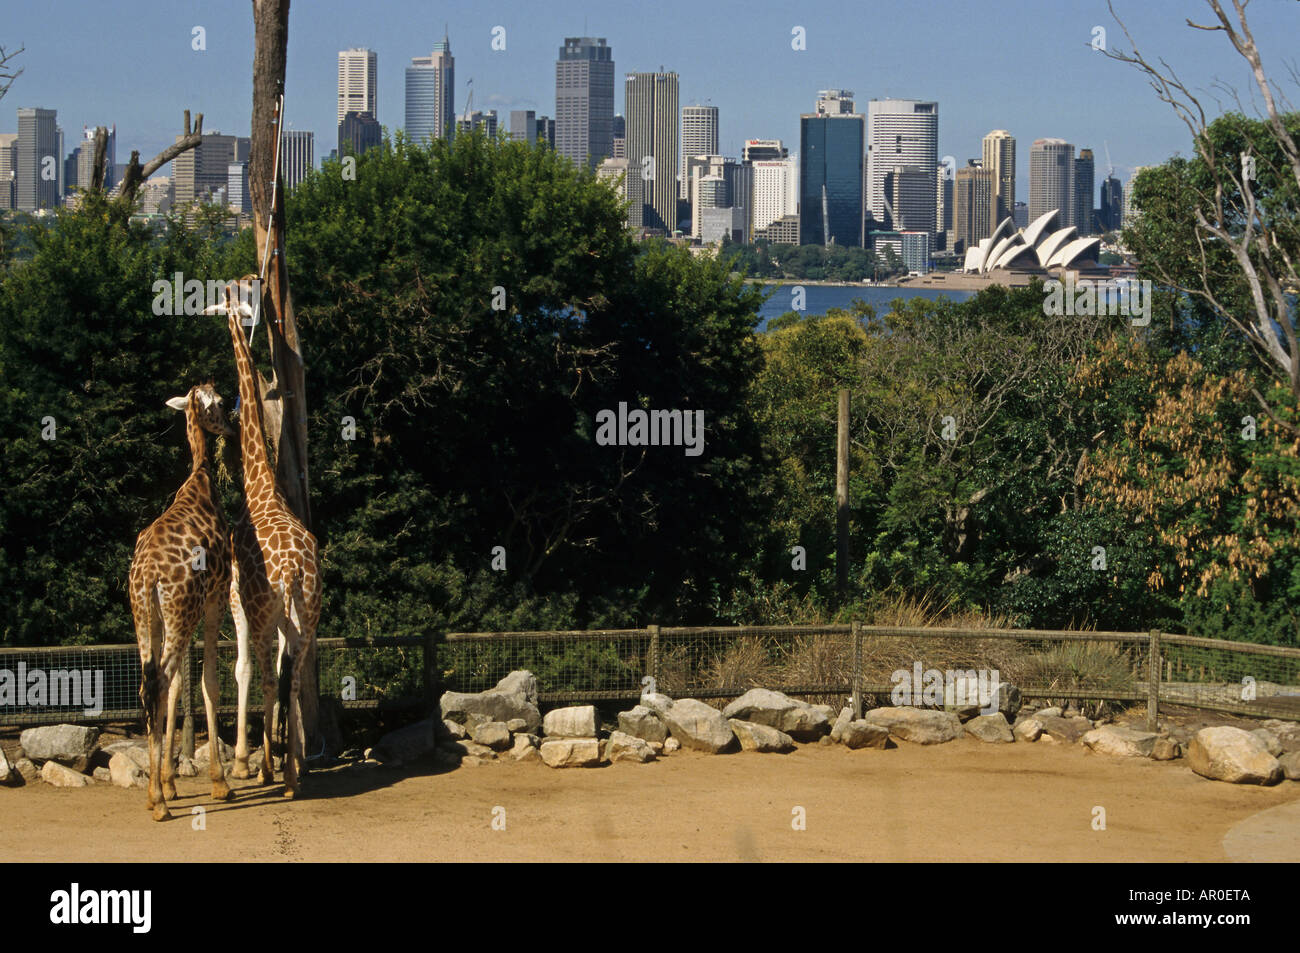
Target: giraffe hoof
[240,769]
[266,777]
[220,791]
[290,793]
[169,790]
[160,813]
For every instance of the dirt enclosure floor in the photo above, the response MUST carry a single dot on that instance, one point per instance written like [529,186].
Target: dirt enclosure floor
[962,801]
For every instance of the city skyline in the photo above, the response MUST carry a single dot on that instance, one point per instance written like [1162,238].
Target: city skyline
[1120,110]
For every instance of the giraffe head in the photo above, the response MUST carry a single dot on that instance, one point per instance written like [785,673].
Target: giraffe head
[205,403]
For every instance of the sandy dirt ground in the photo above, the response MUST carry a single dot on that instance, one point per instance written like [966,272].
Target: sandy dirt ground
[963,801]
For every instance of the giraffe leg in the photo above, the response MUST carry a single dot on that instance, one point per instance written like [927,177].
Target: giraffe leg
[211,624]
[169,734]
[173,693]
[262,644]
[294,759]
[149,635]
[158,751]
[243,674]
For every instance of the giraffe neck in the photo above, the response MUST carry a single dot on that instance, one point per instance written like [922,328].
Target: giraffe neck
[252,443]
[197,439]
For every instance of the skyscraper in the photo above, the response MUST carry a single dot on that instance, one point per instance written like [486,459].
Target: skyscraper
[913,202]
[430,94]
[1112,204]
[584,100]
[86,158]
[1083,192]
[763,150]
[358,82]
[775,190]
[1051,179]
[38,138]
[831,159]
[650,105]
[297,148]
[203,170]
[523,125]
[1000,159]
[358,132]
[901,133]
[487,121]
[8,168]
[975,193]
[699,135]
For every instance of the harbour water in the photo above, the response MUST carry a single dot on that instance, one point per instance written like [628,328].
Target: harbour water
[818,299]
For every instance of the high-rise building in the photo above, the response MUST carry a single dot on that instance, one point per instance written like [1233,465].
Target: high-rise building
[546,130]
[650,105]
[38,140]
[912,202]
[584,100]
[831,160]
[736,191]
[8,168]
[901,133]
[975,192]
[999,157]
[237,187]
[430,94]
[1051,179]
[763,150]
[1130,210]
[1112,204]
[85,153]
[297,155]
[358,132]
[358,82]
[1020,215]
[776,190]
[487,121]
[523,125]
[204,170]
[943,194]
[1083,192]
[699,135]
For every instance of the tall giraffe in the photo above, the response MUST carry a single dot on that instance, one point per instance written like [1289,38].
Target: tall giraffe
[180,573]
[275,584]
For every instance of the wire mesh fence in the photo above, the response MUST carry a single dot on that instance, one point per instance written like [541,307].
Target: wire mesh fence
[833,664]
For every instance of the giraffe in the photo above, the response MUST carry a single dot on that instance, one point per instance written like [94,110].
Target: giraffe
[180,573]
[275,579]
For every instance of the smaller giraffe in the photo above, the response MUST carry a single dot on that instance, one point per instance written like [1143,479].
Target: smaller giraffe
[180,573]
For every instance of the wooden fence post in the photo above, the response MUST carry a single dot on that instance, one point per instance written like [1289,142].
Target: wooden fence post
[842,497]
[1153,680]
[857,669]
[430,670]
[654,658]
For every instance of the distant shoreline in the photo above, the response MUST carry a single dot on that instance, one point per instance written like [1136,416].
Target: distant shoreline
[822,284]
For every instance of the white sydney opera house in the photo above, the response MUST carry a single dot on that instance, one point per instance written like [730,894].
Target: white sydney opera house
[1040,247]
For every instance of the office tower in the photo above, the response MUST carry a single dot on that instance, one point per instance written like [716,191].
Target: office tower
[736,191]
[155,195]
[202,171]
[546,130]
[699,134]
[297,155]
[835,102]
[1112,204]
[70,171]
[775,191]
[831,147]
[1000,159]
[237,187]
[763,150]
[584,100]
[358,82]
[38,138]
[975,192]
[619,126]
[901,133]
[8,168]
[430,94]
[650,105]
[85,153]
[60,167]
[358,132]
[1051,179]
[1020,215]
[487,121]
[1083,192]
[1130,210]
[912,203]
[617,173]
[523,125]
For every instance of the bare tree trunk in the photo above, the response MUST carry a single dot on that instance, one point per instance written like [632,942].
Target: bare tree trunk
[285,403]
[136,173]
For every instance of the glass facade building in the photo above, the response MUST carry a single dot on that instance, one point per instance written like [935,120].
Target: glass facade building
[831,157]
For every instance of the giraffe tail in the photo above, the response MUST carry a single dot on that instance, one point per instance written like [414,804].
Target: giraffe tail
[150,681]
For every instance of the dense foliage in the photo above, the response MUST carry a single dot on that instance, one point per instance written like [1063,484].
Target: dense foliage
[474,307]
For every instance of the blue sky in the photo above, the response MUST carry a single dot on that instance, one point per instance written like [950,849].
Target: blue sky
[1022,65]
